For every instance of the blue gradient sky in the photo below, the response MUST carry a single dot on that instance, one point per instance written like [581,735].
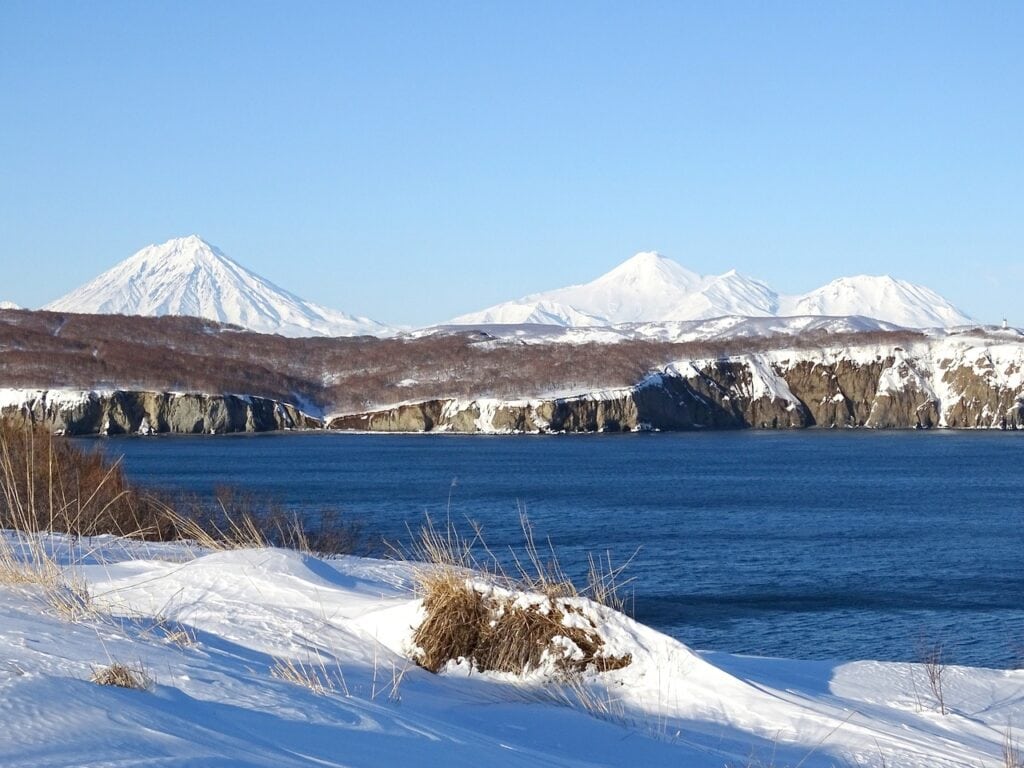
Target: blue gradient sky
[412,161]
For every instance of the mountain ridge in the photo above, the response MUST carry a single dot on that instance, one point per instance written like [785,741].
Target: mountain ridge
[188,276]
[649,287]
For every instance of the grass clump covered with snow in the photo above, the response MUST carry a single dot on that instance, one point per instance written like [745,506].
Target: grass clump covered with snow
[120,675]
[506,631]
[475,612]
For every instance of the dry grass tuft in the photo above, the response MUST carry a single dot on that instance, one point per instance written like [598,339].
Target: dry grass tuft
[475,611]
[236,520]
[183,638]
[122,676]
[500,631]
[70,599]
[172,632]
[1013,755]
[33,500]
[312,675]
[26,562]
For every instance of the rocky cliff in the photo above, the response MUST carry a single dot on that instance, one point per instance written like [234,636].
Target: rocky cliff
[124,412]
[969,380]
[950,382]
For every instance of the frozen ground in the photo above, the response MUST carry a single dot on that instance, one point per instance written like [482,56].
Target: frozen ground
[209,628]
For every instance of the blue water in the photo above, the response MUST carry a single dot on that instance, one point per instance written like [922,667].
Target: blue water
[835,545]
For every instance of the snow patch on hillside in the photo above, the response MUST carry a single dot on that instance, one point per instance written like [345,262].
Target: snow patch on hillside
[679,331]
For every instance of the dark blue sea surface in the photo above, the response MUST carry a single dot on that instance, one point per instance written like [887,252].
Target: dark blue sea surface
[811,544]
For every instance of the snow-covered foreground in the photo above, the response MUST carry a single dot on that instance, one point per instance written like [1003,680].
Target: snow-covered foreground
[209,628]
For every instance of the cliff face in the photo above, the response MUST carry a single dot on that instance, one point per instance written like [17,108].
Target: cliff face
[953,383]
[122,412]
[950,381]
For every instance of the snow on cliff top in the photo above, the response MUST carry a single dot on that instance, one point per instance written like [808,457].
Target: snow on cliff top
[716,328]
[188,276]
[210,627]
[8,305]
[652,288]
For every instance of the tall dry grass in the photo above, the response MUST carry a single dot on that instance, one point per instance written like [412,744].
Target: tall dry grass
[49,484]
[234,519]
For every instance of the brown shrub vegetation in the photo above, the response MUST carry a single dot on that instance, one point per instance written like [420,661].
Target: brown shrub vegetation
[341,375]
[475,611]
[122,676]
[499,631]
[47,483]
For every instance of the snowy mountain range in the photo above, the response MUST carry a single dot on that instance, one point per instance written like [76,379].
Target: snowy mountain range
[652,288]
[188,276]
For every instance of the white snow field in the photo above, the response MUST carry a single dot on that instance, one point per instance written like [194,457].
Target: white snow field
[188,276]
[210,628]
[652,288]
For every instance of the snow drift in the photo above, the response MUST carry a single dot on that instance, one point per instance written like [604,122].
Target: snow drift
[215,630]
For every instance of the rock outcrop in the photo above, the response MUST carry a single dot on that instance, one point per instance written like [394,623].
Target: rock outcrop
[950,384]
[125,412]
[954,381]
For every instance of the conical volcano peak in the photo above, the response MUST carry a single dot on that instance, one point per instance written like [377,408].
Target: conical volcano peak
[651,265]
[182,251]
[190,276]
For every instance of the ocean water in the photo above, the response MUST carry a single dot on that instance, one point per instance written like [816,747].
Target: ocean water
[810,544]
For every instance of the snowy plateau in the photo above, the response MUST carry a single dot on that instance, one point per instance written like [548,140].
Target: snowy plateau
[215,632]
[188,276]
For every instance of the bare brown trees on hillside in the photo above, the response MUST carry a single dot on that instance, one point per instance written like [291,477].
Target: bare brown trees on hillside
[46,350]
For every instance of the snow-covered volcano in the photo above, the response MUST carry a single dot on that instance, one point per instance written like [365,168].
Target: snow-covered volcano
[188,276]
[646,287]
[652,288]
[881,297]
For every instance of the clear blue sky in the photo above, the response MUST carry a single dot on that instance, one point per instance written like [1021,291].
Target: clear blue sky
[412,161]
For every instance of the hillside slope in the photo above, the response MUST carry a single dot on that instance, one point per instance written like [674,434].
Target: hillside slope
[84,373]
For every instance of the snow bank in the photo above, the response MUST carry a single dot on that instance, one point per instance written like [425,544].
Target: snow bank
[210,628]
